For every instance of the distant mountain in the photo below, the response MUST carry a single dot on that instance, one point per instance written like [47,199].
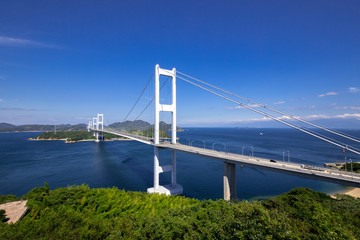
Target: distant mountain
[131,125]
[6,127]
[140,125]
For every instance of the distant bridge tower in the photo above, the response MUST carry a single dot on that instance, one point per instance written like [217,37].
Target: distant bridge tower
[173,188]
[89,127]
[94,123]
[99,127]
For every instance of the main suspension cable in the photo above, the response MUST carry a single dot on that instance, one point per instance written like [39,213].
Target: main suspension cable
[151,100]
[343,146]
[277,111]
[139,97]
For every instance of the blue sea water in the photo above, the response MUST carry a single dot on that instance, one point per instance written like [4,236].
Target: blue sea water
[128,165]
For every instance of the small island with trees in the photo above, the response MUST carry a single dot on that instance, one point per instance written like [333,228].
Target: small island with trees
[76,134]
[73,136]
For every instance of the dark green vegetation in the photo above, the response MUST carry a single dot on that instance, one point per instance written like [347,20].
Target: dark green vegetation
[8,198]
[355,167]
[150,133]
[139,125]
[2,216]
[81,213]
[5,199]
[143,128]
[5,127]
[129,125]
[72,136]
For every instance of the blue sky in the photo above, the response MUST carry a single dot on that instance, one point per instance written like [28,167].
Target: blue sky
[65,61]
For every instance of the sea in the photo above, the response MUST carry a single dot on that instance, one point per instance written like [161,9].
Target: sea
[128,165]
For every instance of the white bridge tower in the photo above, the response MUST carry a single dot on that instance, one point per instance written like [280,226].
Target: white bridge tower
[97,125]
[173,188]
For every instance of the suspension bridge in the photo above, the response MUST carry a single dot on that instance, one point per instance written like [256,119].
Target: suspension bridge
[152,136]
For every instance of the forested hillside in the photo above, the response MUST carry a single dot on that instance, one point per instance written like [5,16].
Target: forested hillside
[140,125]
[41,128]
[79,212]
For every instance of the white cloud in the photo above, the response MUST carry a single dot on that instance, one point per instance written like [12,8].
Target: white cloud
[1,100]
[18,42]
[348,107]
[353,89]
[241,107]
[83,118]
[279,102]
[308,117]
[265,119]
[328,94]
[16,109]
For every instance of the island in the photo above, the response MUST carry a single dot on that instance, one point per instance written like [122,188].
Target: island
[76,133]
[73,136]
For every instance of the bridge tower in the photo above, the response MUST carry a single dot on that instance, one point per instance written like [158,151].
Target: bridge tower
[89,127]
[173,188]
[94,123]
[99,126]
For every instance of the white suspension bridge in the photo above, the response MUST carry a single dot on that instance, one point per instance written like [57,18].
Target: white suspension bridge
[230,160]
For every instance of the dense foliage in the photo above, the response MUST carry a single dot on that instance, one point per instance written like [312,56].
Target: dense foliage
[69,135]
[80,212]
[2,216]
[355,167]
[72,135]
[150,133]
[8,198]
[127,125]
[5,199]
[110,136]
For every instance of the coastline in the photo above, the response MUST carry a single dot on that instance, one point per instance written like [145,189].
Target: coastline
[355,192]
[351,191]
[84,140]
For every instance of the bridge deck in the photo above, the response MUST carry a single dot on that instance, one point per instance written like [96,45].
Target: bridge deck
[336,176]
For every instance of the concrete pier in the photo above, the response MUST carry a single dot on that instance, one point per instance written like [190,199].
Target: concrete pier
[229,178]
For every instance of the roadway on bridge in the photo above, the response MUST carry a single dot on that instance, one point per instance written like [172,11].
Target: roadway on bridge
[330,175]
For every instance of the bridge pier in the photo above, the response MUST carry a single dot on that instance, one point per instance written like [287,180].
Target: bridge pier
[229,178]
[169,189]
